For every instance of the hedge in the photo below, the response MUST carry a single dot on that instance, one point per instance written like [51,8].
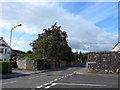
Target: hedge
[5,67]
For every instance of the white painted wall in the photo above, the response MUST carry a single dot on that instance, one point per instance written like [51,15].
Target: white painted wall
[5,56]
[117,48]
[5,51]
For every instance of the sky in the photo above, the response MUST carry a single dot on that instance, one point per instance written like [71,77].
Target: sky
[91,26]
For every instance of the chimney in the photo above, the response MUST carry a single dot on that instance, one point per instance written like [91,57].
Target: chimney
[1,38]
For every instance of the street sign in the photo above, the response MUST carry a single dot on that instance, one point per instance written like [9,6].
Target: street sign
[91,62]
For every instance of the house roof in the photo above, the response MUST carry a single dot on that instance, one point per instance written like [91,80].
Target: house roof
[18,51]
[3,43]
[116,45]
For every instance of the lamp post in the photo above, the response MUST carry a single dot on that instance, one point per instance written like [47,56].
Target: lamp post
[11,32]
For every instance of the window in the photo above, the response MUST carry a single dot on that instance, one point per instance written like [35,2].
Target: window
[4,59]
[1,50]
[5,51]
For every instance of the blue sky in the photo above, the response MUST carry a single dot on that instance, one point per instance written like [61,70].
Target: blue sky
[101,14]
[91,26]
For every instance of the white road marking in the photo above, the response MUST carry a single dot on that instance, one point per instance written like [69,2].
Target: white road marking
[9,82]
[59,78]
[46,84]
[51,81]
[80,84]
[62,77]
[47,87]
[40,86]
[33,77]
[55,79]
[53,84]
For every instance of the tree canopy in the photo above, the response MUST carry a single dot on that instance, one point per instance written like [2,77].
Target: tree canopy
[52,45]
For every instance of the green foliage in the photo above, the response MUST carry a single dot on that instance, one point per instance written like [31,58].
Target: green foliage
[52,44]
[29,52]
[80,56]
[27,56]
[4,67]
[44,62]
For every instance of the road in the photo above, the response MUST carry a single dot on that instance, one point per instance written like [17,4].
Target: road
[63,78]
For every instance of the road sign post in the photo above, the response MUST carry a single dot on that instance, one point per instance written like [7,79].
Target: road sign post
[87,63]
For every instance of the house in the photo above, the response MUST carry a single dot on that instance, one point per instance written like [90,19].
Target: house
[5,50]
[116,47]
[17,52]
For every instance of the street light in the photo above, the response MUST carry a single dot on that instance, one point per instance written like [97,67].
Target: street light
[11,32]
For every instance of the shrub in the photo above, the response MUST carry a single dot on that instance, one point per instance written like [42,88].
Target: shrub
[42,64]
[5,67]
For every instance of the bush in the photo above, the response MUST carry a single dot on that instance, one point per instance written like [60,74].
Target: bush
[42,64]
[5,67]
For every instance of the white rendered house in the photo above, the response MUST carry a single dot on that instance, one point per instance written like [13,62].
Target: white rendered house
[116,47]
[5,50]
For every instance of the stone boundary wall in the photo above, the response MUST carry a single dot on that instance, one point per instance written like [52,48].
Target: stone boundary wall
[107,62]
[27,64]
[37,65]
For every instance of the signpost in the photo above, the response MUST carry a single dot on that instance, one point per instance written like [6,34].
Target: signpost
[89,63]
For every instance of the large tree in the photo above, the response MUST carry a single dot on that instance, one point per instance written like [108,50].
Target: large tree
[52,45]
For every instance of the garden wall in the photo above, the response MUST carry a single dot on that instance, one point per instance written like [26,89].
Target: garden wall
[107,62]
[37,65]
[27,64]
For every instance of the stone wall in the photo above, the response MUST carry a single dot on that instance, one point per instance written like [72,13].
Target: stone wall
[75,63]
[37,65]
[107,62]
[27,64]
[21,64]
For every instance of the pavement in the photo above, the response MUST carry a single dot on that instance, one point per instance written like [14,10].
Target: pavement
[84,71]
[18,73]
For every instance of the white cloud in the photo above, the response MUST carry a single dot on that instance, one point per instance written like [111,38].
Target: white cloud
[36,16]
[18,44]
